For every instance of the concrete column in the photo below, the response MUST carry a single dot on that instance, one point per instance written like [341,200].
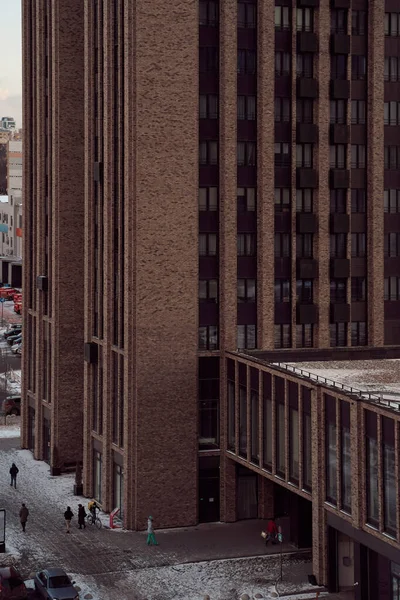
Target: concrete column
[229,498]
[266,505]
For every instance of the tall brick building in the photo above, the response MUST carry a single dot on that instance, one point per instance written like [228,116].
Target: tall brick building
[238,189]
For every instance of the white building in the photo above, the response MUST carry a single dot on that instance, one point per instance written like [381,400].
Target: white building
[14,187]
[11,226]
[7,123]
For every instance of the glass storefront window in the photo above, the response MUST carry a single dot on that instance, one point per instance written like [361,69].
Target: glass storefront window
[372,482]
[243,421]
[389,490]
[331,466]
[118,491]
[255,454]
[280,439]
[231,416]
[307,482]
[346,470]
[267,422]
[294,445]
[97,460]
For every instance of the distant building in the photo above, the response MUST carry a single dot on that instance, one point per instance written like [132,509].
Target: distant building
[7,123]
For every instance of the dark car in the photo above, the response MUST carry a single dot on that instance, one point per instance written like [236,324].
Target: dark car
[12,339]
[12,405]
[55,584]
[12,586]
[13,331]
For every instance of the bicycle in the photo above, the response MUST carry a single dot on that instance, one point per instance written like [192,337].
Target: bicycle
[94,520]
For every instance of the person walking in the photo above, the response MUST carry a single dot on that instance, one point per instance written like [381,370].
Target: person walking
[272,532]
[68,516]
[14,472]
[23,516]
[81,516]
[151,538]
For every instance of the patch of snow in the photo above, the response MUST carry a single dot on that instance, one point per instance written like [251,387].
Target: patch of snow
[10,431]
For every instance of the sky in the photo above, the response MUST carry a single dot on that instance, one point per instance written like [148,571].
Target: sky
[11,61]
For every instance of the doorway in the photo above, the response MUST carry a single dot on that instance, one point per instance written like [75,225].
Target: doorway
[247,494]
[209,489]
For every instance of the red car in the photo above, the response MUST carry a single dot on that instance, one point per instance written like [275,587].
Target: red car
[12,586]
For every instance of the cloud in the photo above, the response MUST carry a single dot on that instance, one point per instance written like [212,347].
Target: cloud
[4,94]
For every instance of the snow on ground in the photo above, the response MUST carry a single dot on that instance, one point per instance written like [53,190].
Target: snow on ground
[11,430]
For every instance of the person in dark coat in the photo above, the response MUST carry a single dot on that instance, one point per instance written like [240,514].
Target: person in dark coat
[14,472]
[23,516]
[68,516]
[81,516]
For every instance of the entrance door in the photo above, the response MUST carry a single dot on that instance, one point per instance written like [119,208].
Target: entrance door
[209,498]
[247,498]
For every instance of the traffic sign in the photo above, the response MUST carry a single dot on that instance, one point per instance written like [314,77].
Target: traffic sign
[2,300]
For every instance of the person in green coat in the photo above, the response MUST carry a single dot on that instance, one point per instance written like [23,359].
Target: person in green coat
[151,538]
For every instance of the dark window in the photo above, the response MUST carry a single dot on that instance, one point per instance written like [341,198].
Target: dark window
[391,68]
[246,290]
[246,336]
[246,154]
[208,244]
[294,444]
[243,421]
[358,201]
[338,334]
[392,288]
[246,199]
[246,62]
[208,199]
[208,290]
[389,485]
[391,201]
[282,245]
[372,476]
[208,153]
[392,244]
[282,154]
[338,156]
[246,108]
[246,244]
[304,291]
[331,456]
[282,334]
[208,13]
[208,403]
[282,18]
[358,67]
[282,110]
[304,245]
[208,60]
[282,63]
[359,333]
[358,245]
[339,66]
[338,245]
[338,201]
[305,65]
[358,112]
[391,113]
[338,289]
[305,335]
[345,456]
[357,156]
[392,24]
[304,155]
[392,157]
[338,111]
[231,416]
[304,200]
[208,337]
[254,407]
[358,22]
[305,110]
[282,290]
[208,106]
[246,15]
[339,20]
[358,289]
[282,199]
[307,444]
[305,19]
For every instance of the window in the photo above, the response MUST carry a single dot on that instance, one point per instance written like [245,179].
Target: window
[282,335]
[246,290]
[357,156]
[305,65]
[338,201]
[208,106]
[391,68]
[208,199]
[338,245]
[304,155]
[246,108]
[358,22]
[389,479]
[372,481]
[208,290]
[391,113]
[282,18]
[345,457]
[358,289]
[304,291]
[246,336]
[392,24]
[246,244]
[305,110]
[392,157]
[338,20]
[246,15]
[307,450]
[208,59]
[231,416]
[358,201]
[267,421]
[305,335]
[282,199]
[208,244]
[282,290]
[304,19]
[208,153]
[280,439]
[209,403]
[391,201]
[358,333]
[358,112]
[338,289]
[330,462]
[282,245]
[282,156]
[338,334]
[294,444]
[282,110]
[246,62]
[254,407]
[358,67]
[392,288]
[338,111]
[339,66]
[243,421]
[208,13]
[358,245]
[304,245]
[246,199]
[392,244]
[208,337]
[304,200]
[282,64]
[395,581]
[246,154]
[338,156]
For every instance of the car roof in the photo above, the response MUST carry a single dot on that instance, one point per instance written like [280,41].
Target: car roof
[54,572]
[17,397]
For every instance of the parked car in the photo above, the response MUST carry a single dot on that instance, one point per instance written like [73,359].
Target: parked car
[12,405]
[13,331]
[18,307]
[8,293]
[13,339]
[12,586]
[55,584]
[16,347]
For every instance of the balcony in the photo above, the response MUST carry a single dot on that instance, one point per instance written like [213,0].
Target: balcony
[339,179]
[307,87]
[340,223]
[306,313]
[307,268]
[307,41]
[306,178]
[306,133]
[340,313]
[340,89]
[340,43]
[306,223]
[339,134]
[340,268]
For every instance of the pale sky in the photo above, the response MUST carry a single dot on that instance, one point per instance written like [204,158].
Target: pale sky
[10,61]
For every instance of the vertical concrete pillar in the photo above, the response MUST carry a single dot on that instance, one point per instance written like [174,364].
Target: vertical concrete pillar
[266,504]
[229,497]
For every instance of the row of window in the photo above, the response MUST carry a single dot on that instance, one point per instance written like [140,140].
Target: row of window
[209,337]
[209,14]
[337,155]
[305,20]
[337,332]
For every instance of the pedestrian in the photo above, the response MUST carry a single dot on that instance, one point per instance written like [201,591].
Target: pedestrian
[23,516]
[14,472]
[151,538]
[68,516]
[272,532]
[81,516]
